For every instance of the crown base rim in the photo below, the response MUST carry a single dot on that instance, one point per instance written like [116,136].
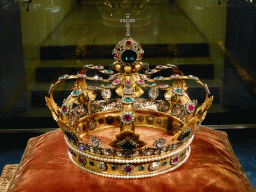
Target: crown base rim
[135,176]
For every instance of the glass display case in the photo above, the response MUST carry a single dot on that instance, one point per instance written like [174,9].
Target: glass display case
[44,40]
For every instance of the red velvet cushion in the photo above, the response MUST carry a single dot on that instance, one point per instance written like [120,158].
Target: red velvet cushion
[212,166]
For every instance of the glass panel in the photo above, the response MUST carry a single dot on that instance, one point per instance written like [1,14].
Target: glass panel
[43,40]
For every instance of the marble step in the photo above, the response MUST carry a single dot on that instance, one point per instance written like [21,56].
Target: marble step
[105,51]
[50,70]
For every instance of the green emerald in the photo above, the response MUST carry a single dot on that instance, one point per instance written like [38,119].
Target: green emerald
[128,99]
[142,167]
[179,90]
[113,167]
[76,92]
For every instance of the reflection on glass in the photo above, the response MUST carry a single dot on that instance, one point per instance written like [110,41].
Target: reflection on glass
[112,11]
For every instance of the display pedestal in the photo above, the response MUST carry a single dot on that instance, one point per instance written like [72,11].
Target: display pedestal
[46,166]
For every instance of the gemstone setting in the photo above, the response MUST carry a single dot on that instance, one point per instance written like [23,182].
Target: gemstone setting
[142,167]
[128,83]
[76,93]
[140,82]
[114,167]
[81,160]
[163,86]
[116,82]
[63,77]
[65,109]
[158,78]
[127,118]
[190,107]
[96,142]
[153,93]
[128,100]
[174,160]
[159,143]
[129,56]
[92,87]
[154,166]
[178,91]
[193,77]
[128,169]
[102,166]
[81,75]
[175,76]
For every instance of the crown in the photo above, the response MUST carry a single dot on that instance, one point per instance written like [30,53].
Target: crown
[108,128]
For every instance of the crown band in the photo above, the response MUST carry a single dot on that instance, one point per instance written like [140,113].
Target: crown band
[110,158]
[141,169]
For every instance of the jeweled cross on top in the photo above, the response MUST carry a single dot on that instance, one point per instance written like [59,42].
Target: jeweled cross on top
[127,22]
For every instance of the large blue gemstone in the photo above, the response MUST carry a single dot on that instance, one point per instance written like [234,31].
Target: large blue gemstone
[183,135]
[129,56]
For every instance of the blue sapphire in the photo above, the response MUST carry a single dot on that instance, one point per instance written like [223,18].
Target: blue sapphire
[129,56]
[184,135]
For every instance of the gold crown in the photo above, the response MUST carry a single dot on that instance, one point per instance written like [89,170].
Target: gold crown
[100,133]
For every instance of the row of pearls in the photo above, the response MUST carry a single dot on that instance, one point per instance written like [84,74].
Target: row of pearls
[133,176]
[110,160]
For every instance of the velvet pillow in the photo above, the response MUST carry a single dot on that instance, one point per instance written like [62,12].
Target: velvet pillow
[212,166]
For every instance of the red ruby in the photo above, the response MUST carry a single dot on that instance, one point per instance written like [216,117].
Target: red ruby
[115,55]
[128,169]
[127,117]
[140,81]
[80,159]
[176,160]
[128,82]
[163,85]
[141,55]
[64,108]
[128,42]
[116,81]
[93,87]
[191,107]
